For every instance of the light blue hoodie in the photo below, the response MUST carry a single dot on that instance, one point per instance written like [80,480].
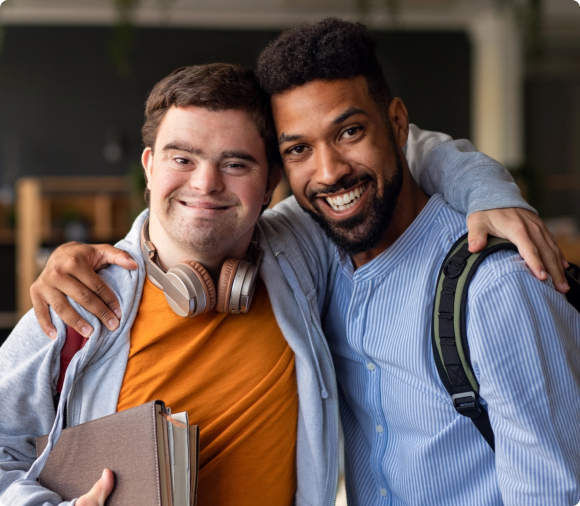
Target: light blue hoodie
[298,269]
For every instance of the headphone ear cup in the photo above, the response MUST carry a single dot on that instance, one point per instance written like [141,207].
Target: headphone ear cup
[227,276]
[206,282]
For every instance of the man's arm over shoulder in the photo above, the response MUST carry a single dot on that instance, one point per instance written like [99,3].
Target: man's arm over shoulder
[525,348]
[469,180]
[481,188]
[29,370]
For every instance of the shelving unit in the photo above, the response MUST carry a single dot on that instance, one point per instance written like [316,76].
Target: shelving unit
[46,205]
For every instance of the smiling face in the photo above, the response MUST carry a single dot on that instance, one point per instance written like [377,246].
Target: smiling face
[342,158]
[208,176]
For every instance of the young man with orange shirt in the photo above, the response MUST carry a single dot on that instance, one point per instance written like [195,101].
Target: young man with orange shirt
[261,385]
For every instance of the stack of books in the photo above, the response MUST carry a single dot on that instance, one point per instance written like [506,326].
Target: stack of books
[152,453]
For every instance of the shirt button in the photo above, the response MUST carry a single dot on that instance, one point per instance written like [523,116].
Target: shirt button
[379,428]
[383,492]
[371,366]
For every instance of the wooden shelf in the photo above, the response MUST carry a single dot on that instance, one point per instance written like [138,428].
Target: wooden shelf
[44,206]
[571,249]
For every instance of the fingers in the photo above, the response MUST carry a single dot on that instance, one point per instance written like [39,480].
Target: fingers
[545,251]
[89,290]
[534,241]
[105,484]
[44,296]
[531,255]
[100,491]
[69,272]
[539,249]
[477,232]
[565,262]
[43,316]
[552,258]
[107,254]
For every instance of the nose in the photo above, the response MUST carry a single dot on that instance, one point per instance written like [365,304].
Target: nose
[206,179]
[330,165]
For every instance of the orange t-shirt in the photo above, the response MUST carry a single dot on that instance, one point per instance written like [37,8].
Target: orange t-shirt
[235,376]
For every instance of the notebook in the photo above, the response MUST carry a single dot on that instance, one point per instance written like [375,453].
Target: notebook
[153,455]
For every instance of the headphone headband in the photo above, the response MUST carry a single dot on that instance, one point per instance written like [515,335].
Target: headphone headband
[189,289]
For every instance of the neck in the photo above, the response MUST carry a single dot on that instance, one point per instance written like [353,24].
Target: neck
[410,203]
[170,252]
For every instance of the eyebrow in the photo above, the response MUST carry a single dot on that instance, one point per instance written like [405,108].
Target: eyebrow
[288,138]
[178,146]
[242,155]
[351,111]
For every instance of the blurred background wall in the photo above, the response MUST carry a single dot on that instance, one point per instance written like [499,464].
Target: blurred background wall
[74,75]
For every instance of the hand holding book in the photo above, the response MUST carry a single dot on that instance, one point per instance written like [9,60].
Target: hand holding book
[148,454]
[99,493]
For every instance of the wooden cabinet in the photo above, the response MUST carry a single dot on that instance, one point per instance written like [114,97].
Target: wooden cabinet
[52,210]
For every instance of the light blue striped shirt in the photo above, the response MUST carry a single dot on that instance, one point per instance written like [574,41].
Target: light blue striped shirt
[405,443]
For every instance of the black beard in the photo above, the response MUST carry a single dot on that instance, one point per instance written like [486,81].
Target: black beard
[366,229]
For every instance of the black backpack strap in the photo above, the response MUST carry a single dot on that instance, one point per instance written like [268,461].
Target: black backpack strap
[449,330]
[573,278]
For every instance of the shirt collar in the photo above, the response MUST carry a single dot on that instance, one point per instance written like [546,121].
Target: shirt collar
[399,250]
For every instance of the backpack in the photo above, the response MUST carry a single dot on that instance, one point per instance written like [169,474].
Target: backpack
[449,332]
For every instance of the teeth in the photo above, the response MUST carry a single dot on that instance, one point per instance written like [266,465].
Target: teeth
[345,200]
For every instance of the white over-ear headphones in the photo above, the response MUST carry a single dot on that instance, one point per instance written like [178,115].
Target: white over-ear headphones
[189,289]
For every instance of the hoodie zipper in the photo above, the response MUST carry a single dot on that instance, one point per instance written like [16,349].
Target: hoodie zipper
[337,418]
[68,399]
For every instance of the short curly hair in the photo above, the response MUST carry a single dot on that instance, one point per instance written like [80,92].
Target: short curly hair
[328,50]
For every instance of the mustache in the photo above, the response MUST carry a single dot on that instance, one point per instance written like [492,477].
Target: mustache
[343,183]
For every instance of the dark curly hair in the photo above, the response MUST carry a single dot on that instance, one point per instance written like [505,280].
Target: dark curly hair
[328,50]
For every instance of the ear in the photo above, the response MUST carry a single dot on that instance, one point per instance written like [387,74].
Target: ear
[147,162]
[399,120]
[274,178]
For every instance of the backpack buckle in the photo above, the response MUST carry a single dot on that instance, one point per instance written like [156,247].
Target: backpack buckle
[467,404]
[453,268]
